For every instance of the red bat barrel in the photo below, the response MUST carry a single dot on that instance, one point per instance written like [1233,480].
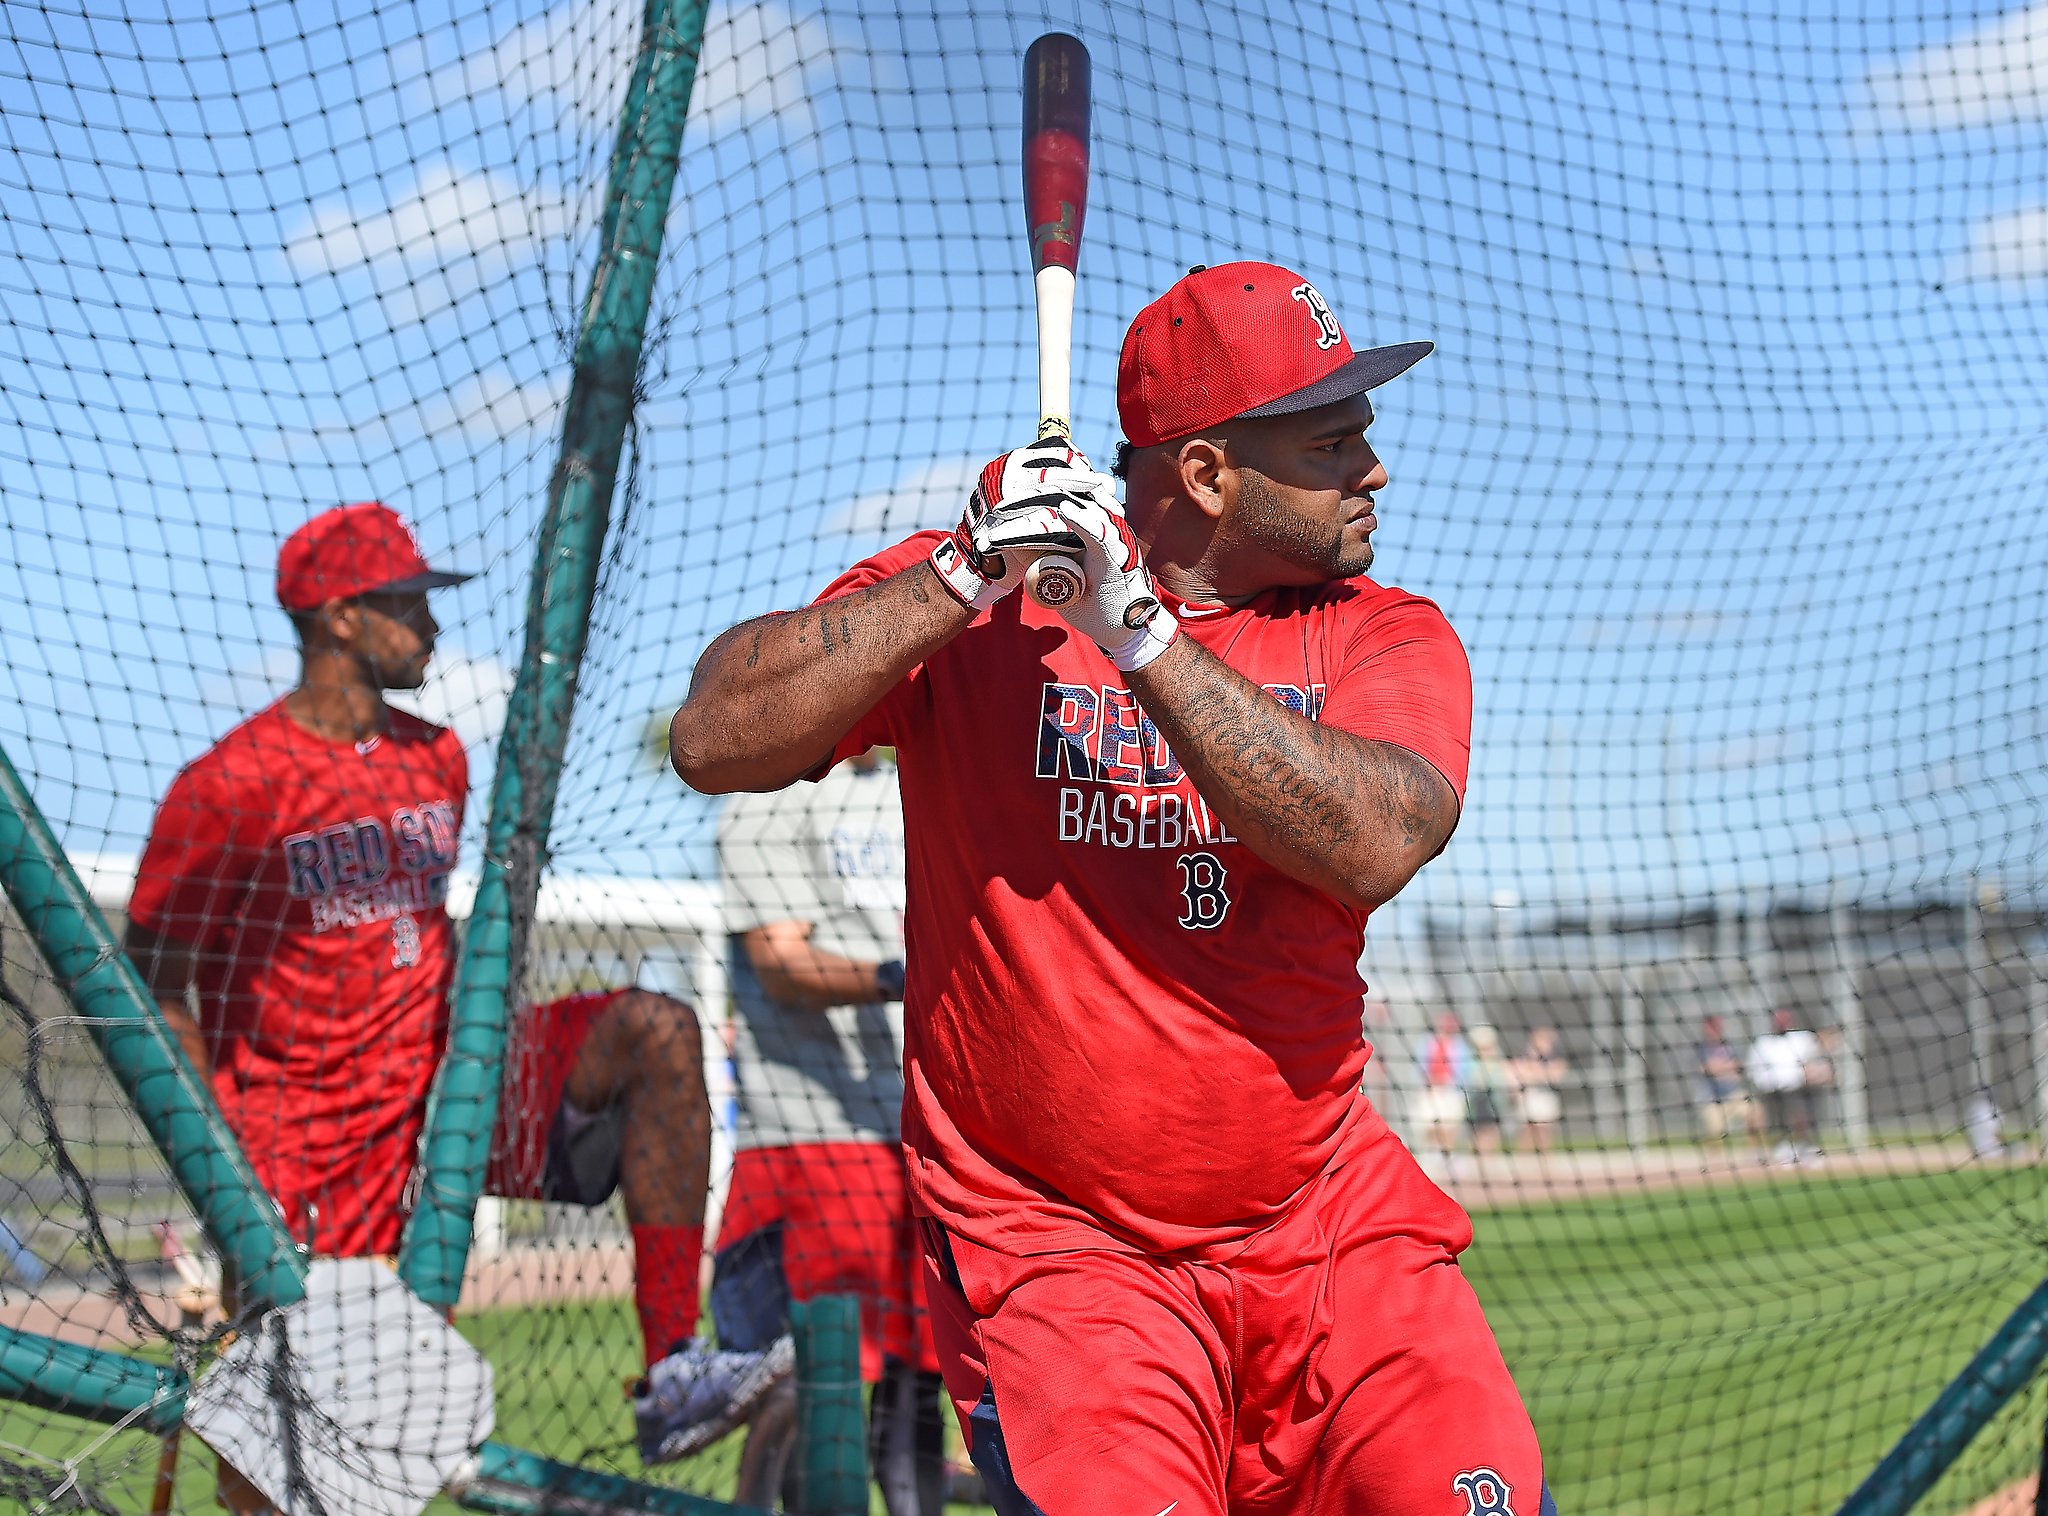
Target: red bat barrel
[1055,149]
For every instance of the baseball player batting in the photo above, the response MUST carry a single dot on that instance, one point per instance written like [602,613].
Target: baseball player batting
[1176,1261]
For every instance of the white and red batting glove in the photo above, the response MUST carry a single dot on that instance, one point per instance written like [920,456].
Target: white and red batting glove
[1118,608]
[1020,493]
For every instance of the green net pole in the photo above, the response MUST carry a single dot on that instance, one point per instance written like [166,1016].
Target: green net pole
[514,1482]
[142,1052]
[2000,1371]
[832,1447]
[465,1098]
[90,1383]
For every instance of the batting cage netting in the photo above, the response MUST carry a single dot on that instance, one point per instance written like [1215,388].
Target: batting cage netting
[1725,1012]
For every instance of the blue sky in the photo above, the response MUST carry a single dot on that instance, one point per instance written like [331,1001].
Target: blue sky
[1727,468]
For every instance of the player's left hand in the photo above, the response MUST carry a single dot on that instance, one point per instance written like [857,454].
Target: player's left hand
[1011,518]
[1119,607]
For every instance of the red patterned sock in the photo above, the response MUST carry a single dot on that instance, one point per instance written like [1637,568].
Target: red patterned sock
[665,1284]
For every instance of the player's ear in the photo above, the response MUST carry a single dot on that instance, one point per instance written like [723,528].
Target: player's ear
[337,623]
[1201,462]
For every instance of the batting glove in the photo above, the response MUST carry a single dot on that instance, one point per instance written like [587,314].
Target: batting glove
[1017,499]
[1117,607]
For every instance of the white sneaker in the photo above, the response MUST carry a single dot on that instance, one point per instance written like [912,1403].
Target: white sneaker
[698,1393]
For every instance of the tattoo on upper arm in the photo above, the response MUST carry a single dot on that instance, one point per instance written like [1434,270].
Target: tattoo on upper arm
[754,657]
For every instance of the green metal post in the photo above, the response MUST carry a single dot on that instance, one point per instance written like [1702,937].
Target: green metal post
[90,1383]
[513,1482]
[2000,1371]
[465,1097]
[175,1106]
[832,1445]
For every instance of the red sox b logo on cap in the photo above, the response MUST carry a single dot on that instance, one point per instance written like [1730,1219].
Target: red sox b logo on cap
[1328,334]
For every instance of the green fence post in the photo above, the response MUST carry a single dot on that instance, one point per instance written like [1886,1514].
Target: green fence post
[464,1103]
[2000,1371]
[176,1108]
[832,1442]
[90,1383]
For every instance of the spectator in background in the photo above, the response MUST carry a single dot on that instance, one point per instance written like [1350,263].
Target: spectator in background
[1726,1110]
[1445,1059]
[1489,1087]
[820,1200]
[1538,1073]
[1785,1065]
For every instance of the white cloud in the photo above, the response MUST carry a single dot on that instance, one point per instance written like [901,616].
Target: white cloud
[2007,249]
[445,219]
[753,65]
[929,495]
[447,236]
[1998,73]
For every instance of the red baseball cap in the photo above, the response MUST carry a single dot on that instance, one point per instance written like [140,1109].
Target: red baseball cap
[352,550]
[1241,339]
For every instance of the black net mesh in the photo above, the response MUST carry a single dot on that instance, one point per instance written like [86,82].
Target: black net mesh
[1725,470]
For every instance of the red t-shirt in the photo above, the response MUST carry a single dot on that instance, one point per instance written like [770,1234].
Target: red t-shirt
[1124,1027]
[313,876]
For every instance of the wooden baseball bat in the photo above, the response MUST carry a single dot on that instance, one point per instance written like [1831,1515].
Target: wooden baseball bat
[1056,95]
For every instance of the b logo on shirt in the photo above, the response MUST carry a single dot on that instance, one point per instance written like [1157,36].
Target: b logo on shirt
[1202,891]
[1485,1492]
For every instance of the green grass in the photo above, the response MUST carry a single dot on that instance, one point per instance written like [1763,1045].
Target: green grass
[1759,1347]
[1744,1349]
[561,1376]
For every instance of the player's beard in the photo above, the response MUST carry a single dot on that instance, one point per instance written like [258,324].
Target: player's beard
[401,673]
[1265,520]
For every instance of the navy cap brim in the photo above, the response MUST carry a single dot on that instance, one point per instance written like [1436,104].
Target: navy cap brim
[1367,370]
[432,579]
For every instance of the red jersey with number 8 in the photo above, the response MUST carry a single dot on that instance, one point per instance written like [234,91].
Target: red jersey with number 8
[1123,1027]
[313,878]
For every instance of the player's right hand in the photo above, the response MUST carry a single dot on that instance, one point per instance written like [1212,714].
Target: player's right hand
[1012,516]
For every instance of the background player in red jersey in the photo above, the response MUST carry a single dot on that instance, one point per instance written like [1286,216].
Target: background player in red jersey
[297,877]
[1176,1261]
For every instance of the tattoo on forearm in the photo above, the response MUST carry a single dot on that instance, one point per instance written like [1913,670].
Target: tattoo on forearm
[1251,753]
[1309,788]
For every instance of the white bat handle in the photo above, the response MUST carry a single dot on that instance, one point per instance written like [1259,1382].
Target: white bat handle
[1055,289]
